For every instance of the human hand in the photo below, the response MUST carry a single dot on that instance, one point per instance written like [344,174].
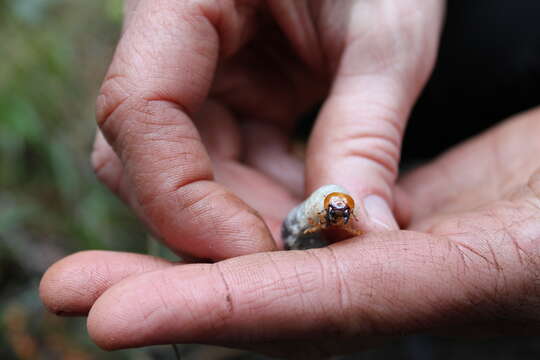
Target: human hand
[469,264]
[186,73]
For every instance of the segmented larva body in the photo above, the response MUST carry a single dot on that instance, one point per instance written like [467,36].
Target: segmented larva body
[328,206]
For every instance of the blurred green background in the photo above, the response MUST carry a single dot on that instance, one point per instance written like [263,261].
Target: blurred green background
[53,54]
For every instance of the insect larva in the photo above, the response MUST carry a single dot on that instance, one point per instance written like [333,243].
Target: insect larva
[330,206]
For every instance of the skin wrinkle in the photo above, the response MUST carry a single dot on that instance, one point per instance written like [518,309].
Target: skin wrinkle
[464,251]
[343,293]
[500,291]
[390,115]
[296,292]
[356,132]
[462,245]
[316,308]
[303,289]
[148,201]
[507,233]
[449,258]
[384,158]
[493,254]
[186,303]
[281,279]
[105,108]
[199,207]
[160,308]
[228,294]
[368,318]
[526,258]
[244,215]
[520,251]
[273,291]
[122,143]
[320,313]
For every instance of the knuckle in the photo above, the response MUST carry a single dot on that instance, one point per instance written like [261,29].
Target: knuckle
[113,93]
[377,140]
[226,312]
[375,149]
[338,316]
[234,215]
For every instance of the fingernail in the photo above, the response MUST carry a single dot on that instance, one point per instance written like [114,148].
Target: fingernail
[379,212]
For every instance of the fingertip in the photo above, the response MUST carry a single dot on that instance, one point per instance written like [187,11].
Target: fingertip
[107,329]
[252,236]
[160,307]
[379,213]
[114,321]
[220,225]
[71,286]
[60,289]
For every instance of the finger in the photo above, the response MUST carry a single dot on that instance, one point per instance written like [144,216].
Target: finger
[160,75]
[356,141]
[219,131]
[477,172]
[71,286]
[266,196]
[221,136]
[267,150]
[397,282]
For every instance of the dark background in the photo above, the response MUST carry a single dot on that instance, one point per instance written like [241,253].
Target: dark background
[53,54]
[488,69]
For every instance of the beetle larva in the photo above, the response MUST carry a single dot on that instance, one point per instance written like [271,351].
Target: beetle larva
[330,206]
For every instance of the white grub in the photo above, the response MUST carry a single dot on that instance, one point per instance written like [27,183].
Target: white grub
[304,225]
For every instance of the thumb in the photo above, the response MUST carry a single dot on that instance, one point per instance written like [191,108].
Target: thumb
[383,65]
[356,143]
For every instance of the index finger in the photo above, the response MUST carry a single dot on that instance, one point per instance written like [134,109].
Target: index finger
[161,73]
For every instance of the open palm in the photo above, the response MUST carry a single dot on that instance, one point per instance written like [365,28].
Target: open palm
[470,260]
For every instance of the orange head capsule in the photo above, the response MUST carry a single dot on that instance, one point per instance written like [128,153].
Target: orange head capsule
[338,208]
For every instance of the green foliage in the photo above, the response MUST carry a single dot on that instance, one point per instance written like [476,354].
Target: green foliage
[53,56]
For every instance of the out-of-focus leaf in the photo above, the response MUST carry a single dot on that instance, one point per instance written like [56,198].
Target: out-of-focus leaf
[31,11]
[20,119]
[64,169]
[13,215]
[114,10]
